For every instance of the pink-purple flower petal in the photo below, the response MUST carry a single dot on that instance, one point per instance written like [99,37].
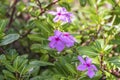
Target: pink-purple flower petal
[56,19]
[52,44]
[61,14]
[51,38]
[68,39]
[81,67]
[52,12]
[81,59]
[90,73]
[57,33]
[94,67]
[88,60]
[60,46]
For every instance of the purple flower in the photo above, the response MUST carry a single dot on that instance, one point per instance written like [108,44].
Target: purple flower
[68,39]
[87,65]
[61,15]
[56,41]
[61,40]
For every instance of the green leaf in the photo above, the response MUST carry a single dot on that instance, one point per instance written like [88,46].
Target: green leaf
[19,63]
[41,63]
[35,47]
[2,77]
[44,57]
[24,63]
[116,41]
[59,69]
[101,47]
[83,2]
[26,69]
[70,68]
[9,39]
[2,24]
[66,5]
[32,4]
[43,26]
[45,75]
[8,74]
[2,27]
[88,50]
[2,58]
[12,54]
[114,60]
[36,37]
[9,67]
[16,62]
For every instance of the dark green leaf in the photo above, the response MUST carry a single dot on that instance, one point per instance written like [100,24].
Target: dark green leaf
[83,2]
[9,39]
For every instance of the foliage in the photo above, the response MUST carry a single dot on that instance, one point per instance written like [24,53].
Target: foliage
[26,25]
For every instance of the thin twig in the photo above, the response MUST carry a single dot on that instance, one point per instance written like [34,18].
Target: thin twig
[12,14]
[39,4]
[26,33]
[49,5]
[113,72]
[116,4]
[103,67]
[2,50]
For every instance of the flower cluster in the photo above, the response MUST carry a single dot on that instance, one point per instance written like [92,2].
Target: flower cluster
[87,65]
[60,40]
[61,15]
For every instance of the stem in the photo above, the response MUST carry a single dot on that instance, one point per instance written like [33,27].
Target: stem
[101,61]
[26,33]
[49,5]
[16,74]
[39,4]
[103,68]
[12,14]
[2,50]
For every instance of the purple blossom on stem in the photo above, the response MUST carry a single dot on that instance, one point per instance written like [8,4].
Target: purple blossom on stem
[87,65]
[61,15]
[61,40]
[56,41]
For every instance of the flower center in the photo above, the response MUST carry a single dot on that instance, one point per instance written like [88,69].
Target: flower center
[57,39]
[59,14]
[88,65]
[66,34]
